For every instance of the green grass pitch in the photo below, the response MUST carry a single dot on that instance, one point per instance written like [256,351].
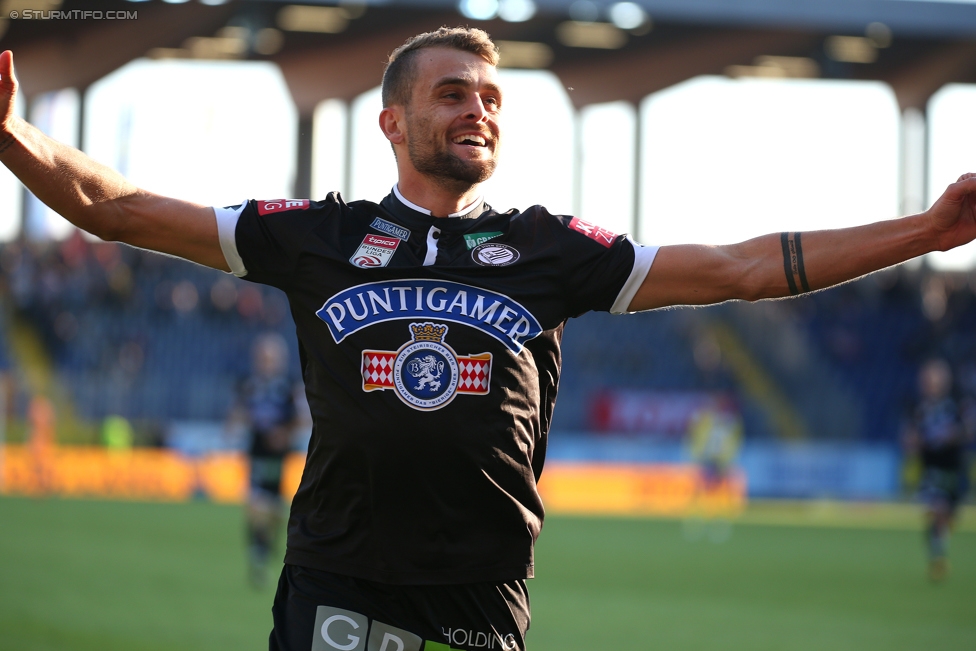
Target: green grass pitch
[111,576]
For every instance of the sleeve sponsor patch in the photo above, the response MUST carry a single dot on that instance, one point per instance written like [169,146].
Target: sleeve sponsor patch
[280,205]
[594,232]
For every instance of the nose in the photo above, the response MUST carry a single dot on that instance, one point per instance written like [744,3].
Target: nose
[475,110]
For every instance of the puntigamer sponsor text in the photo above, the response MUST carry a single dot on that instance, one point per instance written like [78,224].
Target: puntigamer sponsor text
[495,314]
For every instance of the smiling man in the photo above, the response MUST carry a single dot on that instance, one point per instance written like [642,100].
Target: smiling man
[429,327]
[424,90]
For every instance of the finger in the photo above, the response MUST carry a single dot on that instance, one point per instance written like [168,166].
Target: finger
[7,76]
[961,189]
[966,183]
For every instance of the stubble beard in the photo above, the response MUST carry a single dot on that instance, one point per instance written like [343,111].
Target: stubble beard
[444,167]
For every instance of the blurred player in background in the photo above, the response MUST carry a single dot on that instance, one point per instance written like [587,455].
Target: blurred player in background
[43,440]
[938,438]
[266,407]
[715,437]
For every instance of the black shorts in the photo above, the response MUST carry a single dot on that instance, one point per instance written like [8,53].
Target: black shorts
[321,611]
[943,488]
[265,474]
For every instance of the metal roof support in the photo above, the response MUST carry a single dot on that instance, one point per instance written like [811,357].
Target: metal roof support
[88,54]
[917,81]
[912,183]
[303,166]
[346,69]
[635,73]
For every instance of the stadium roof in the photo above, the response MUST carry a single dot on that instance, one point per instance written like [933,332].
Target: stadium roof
[915,46]
[928,43]
[905,17]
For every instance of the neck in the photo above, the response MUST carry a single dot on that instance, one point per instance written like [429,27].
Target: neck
[440,201]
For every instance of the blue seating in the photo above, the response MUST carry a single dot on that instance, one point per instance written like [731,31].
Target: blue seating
[123,347]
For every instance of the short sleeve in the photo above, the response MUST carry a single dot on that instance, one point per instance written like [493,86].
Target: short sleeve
[263,240]
[603,270]
[227,219]
[643,259]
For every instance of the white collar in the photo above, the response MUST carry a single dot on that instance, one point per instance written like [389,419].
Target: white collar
[409,204]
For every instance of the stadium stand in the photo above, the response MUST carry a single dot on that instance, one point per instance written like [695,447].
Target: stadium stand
[138,334]
[4,354]
[157,340]
[877,333]
[653,351]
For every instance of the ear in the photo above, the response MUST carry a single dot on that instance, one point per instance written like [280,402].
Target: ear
[392,123]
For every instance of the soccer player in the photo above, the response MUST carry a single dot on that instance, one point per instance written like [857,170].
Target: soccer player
[938,437]
[714,437]
[266,408]
[429,328]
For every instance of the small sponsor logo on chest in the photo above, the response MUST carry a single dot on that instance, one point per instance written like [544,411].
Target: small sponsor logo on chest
[390,228]
[472,240]
[375,251]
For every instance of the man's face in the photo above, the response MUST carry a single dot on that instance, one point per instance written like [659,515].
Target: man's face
[935,379]
[270,357]
[452,119]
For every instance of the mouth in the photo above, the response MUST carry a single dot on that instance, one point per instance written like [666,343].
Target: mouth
[470,139]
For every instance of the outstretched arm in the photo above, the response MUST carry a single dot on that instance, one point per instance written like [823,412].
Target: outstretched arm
[785,264]
[97,198]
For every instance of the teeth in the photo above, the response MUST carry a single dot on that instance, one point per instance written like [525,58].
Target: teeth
[479,140]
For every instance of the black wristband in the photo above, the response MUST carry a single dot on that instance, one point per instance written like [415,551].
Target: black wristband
[787,263]
[799,265]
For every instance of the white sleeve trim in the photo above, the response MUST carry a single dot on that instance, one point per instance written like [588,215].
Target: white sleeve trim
[227,229]
[643,259]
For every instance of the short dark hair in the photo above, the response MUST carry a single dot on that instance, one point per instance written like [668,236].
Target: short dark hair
[400,68]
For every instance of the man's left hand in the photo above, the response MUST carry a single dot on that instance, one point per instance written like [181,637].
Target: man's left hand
[953,216]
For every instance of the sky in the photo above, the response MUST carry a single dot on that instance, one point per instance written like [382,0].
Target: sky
[721,159]
[952,151]
[729,159]
[11,195]
[213,132]
[57,115]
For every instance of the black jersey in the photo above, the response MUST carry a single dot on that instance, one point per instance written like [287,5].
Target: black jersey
[430,350]
[941,435]
[269,404]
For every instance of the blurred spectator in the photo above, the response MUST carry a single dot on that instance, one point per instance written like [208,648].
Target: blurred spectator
[117,434]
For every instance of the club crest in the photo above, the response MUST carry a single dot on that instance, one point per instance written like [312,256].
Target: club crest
[425,372]
[494,255]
